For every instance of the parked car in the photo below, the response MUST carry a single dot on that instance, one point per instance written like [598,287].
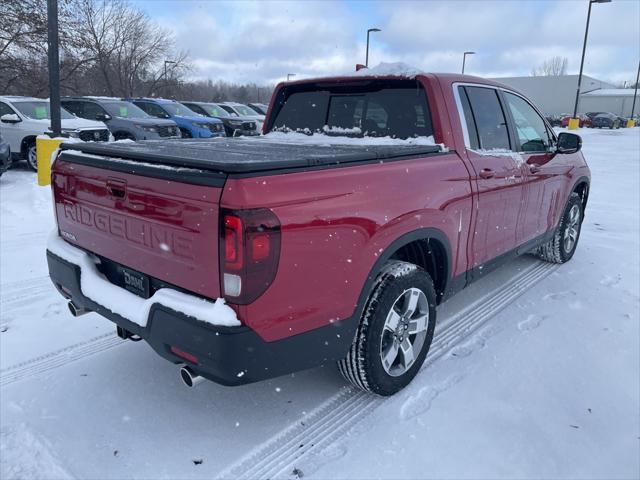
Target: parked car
[261,108]
[191,124]
[584,121]
[622,121]
[590,116]
[22,119]
[554,120]
[5,156]
[124,119]
[258,258]
[240,110]
[234,126]
[605,120]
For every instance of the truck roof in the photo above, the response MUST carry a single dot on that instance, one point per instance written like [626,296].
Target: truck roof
[238,155]
[364,75]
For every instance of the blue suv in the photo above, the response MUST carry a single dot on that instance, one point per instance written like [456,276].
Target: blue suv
[190,123]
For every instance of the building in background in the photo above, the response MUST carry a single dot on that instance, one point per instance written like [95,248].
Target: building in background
[555,95]
[614,100]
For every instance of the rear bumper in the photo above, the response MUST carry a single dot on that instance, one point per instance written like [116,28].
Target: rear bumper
[226,355]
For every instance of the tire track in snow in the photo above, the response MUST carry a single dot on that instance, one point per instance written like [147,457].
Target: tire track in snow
[56,359]
[15,295]
[19,240]
[335,417]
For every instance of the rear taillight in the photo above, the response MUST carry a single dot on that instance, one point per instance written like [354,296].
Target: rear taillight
[249,253]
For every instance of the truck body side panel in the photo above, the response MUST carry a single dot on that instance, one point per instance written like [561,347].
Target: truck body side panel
[335,224]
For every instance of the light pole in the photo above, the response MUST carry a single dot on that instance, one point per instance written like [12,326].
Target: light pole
[166,80]
[574,122]
[632,121]
[366,61]
[464,59]
[289,75]
[54,67]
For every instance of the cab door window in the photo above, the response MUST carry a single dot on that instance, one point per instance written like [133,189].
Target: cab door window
[530,127]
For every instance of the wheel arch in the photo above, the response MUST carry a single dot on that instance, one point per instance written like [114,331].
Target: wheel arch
[26,142]
[581,187]
[428,248]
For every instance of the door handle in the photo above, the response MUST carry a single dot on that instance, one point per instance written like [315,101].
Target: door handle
[487,173]
[534,168]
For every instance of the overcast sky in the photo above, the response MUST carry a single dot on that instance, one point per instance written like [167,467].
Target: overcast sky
[261,42]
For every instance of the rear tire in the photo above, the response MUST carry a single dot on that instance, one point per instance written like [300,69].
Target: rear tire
[185,133]
[31,156]
[562,246]
[395,332]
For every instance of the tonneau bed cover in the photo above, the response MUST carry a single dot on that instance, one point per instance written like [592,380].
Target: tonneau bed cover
[238,155]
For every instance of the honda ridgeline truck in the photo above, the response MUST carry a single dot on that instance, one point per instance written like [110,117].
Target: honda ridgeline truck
[332,238]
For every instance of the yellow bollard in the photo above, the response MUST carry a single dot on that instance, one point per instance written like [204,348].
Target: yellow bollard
[44,148]
[631,123]
[574,123]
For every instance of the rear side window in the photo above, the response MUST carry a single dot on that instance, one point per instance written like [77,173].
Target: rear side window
[474,142]
[490,121]
[374,108]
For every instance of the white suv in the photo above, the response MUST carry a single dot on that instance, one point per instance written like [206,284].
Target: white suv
[22,119]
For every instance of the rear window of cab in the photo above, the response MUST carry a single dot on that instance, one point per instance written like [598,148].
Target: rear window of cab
[378,108]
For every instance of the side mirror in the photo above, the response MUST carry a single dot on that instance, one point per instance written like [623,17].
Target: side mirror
[569,142]
[10,118]
[103,117]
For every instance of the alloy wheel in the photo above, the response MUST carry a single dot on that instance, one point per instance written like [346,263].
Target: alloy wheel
[404,332]
[572,229]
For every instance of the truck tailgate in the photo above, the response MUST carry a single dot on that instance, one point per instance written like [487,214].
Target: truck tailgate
[164,228]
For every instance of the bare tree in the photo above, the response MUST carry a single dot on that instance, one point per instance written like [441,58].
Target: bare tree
[554,66]
[106,47]
[128,47]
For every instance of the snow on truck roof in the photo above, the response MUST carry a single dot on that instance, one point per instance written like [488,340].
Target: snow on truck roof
[397,70]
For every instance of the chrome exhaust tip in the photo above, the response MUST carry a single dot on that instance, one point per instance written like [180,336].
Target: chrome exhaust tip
[75,310]
[189,377]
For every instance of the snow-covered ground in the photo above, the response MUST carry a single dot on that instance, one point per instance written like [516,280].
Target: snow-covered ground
[534,373]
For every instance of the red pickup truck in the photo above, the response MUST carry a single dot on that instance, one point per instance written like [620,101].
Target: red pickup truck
[332,238]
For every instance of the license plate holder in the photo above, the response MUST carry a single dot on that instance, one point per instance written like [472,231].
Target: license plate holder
[134,281]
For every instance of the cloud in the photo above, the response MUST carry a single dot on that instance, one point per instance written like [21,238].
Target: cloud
[263,41]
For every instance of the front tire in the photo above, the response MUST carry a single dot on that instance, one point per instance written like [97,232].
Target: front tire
[562,246]
[395,332]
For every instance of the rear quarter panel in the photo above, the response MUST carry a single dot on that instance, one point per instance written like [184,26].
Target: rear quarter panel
[337,222]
